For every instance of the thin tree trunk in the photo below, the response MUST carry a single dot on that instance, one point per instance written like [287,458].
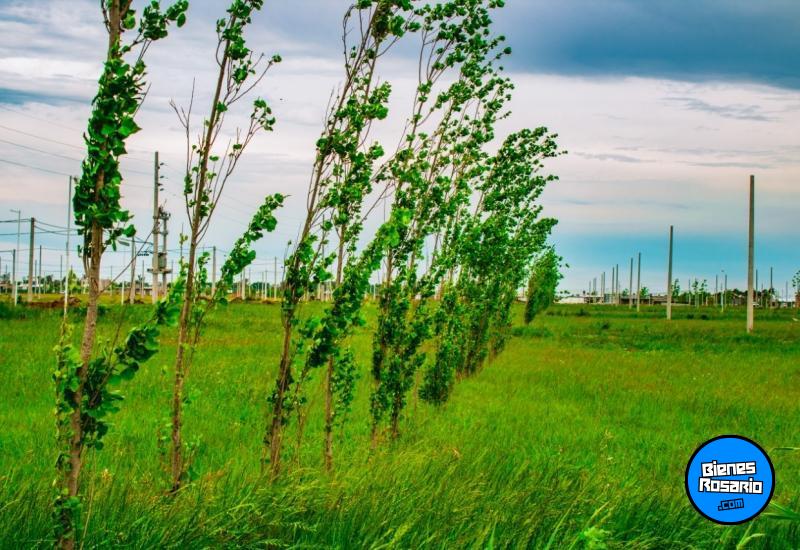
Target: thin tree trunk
[384,350]
[328,449]
[396,407]
[273,437]
[176,458]
[67,540]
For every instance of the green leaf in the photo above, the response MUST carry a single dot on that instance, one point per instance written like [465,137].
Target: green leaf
[130,20]
[128,127]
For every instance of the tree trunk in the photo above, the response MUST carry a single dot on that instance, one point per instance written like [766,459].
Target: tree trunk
[72,476]
[67,540]
[384,349]
[176,459]
[328,448]
[176,456]
[396,408]
[274,435]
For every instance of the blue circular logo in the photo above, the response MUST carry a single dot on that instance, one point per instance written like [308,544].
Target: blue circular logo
[730,479]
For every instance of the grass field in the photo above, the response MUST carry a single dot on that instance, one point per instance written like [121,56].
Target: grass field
[577,435]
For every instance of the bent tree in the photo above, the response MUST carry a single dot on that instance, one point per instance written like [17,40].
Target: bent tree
[207,173]
[330,340]
[339,177]
[542,284]
[432,181]
[81,380]
[494,252]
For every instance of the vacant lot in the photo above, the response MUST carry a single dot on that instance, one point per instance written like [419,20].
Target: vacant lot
[577,435]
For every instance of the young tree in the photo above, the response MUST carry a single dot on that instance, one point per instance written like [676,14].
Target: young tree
[432,183]
[545,275]
[442,48]
[507,226]
[339,179]
[207,173]
[82,395]
[493,253]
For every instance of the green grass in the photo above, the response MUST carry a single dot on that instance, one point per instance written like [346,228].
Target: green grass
[579,432]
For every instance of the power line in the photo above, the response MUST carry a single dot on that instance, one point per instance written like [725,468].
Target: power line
[42,151]
[41,137]
[35,167]
[39,150]
[65,144]
[52,123]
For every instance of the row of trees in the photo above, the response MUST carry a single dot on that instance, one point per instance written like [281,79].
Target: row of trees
[437,323]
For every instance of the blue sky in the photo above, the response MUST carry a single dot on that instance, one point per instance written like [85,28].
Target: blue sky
[665,107]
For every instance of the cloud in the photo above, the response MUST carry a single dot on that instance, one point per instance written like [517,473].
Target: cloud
[737,112]
[696,40]
[11,96]
[610,157]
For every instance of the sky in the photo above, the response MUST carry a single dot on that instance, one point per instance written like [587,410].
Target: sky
[665,107]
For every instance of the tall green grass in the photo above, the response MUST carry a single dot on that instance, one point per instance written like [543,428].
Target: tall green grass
[577,435]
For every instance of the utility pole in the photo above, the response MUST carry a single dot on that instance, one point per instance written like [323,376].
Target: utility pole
[156,223]
[750,255]
[15,256]
[770,287]
[669,277]
[611,290]
[639,284]
[716,289]
[603,286]
[630,287]
[39,272]
[724,289]
[13,269]
[616,281]
[613,285]
[275,278]
[31,246]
